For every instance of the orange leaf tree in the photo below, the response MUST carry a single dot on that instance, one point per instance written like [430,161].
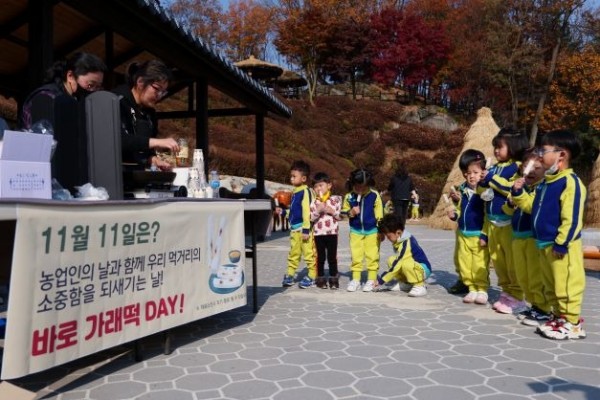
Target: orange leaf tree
[247,25]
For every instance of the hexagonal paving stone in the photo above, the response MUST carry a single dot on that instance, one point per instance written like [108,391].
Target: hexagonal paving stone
[368,351]
[205,381]
[452,377]
[583,376]
[476,350]
[442,392]
[221,348]
[192,360]
[415,356]
[247,338]
[250,390]
[304,358]
[278,372]
[118,390]
[467,362]
[520,354]
[383,387]
[328,379]
[522,368]
[286,342]
[303,394]
[518,385]
[234,366]
[350,364]
[261,353]
[401,370]
[167,394]
[305,332]
[158,374]
[430,345]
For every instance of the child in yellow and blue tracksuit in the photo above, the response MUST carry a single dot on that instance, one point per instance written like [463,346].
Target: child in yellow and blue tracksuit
[557,212]
[414,206]
[524,250]
[409,265]
[509,146]
[301,235]
[471,257]
[364,208]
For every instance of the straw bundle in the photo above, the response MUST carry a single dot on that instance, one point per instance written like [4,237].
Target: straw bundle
[479,137]
[592,214]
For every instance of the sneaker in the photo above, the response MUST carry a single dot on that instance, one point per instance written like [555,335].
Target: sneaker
[353,285]
[482,298]
[368,286]
[549,325]
[288,280]
[306,282]
[458,288]
[524,314]
[566,330]
[393,287]
[536,317]
[470,297]
[334,282]
[321,282]
[417,291]
[501,300]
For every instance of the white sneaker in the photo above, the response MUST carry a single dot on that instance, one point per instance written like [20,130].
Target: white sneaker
[470,297]
[368,286]
[353,285]
[482,298]
[417,291]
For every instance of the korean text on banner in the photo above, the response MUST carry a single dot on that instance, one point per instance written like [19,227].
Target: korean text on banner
[88,278]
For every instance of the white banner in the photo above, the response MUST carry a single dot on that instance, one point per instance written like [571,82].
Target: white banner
[87,278]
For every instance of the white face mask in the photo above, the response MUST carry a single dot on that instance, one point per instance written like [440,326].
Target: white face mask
[553,168]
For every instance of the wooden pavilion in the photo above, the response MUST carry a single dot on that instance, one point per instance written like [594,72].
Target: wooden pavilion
[35,33]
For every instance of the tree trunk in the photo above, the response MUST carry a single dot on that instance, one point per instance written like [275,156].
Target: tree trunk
[552,70]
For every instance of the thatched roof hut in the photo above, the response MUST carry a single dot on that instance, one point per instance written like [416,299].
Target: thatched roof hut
[479,137]
[259,69]
[592,214]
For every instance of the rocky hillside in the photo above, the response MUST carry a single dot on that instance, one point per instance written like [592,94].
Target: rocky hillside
[337,136]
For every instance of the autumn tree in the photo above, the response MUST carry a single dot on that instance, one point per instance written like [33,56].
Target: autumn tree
[405,49]
[247,25]
[301,39]
[345,56]
[203,16]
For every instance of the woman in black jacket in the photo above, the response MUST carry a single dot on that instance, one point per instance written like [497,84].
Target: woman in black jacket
[147,84]
[77,76]
[400,189]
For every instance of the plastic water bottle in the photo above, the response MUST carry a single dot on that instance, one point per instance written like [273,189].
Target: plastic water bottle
[215,183]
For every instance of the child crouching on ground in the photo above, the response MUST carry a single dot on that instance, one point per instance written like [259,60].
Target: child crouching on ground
[409,265]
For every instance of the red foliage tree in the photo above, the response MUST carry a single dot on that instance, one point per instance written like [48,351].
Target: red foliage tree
[405,48]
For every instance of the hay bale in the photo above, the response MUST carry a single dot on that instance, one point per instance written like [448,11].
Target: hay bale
[479,137]
[592,207]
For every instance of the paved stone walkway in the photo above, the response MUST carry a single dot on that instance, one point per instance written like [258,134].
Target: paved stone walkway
[320,344]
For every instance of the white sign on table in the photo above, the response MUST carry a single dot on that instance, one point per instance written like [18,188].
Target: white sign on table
[88,278]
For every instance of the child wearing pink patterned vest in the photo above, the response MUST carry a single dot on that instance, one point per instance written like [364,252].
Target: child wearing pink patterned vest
[325,214]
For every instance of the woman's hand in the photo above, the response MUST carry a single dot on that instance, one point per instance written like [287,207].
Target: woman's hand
[169,144]
[161,164]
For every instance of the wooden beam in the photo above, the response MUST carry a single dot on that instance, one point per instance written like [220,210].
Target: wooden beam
[202,118]
[81,40]
[41,38]
[215,112]
[260,155]
[7,28]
